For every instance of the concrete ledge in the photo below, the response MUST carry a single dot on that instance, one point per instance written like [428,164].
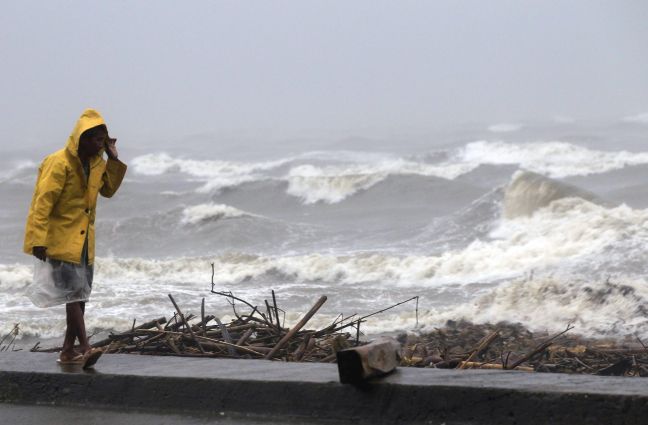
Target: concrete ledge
[300,390]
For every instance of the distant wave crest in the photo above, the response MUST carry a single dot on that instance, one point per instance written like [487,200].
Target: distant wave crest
[527,192]
[210,212]
[319,177]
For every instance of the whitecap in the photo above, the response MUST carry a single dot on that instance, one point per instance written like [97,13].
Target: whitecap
[203,213]
[315,181]
[606,307]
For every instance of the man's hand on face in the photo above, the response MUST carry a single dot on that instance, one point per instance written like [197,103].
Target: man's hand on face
[40,252]
[111,149]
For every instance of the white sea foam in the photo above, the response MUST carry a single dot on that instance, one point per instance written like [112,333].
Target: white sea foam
[14,277]
[335,183]
[330,184]
[219,182]
[639,118]
[505,127]
[570,234]
[527,192]
[210,212]
[567,232]
[160,163]
[596,307]
[553,159]
[216,174]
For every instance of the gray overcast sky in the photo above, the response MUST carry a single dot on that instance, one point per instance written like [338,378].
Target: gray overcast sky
[282,68]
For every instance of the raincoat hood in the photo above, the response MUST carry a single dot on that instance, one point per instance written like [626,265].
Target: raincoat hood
[89,118]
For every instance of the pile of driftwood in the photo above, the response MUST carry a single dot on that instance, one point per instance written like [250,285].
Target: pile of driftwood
[464,345]
[253,334]
[258,333]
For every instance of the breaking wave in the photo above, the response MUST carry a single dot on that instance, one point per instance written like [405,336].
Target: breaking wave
[210,212]
[571,244]
[552,159]
[603,307]
[528,192]
[320,177]
[569,234]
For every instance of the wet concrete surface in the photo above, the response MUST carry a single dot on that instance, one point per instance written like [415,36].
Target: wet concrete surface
[300,391]
[17,414]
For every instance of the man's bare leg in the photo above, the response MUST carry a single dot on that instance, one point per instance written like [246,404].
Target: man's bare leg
[75,312]
[68,352]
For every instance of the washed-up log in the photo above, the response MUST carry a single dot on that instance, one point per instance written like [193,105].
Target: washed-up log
[243,339]
[374,359]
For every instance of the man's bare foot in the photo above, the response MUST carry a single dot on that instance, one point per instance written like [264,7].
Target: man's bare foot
[70,358]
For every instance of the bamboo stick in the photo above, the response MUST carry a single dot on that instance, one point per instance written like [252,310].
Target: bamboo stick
[297,327]
[483,346]
[222,343]
[227,336]
[202,350]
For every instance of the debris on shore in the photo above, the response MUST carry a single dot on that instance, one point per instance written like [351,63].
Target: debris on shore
[261,334]
[255,335]
[507,346]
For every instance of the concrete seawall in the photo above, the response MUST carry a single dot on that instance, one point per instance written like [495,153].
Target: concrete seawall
[300,391]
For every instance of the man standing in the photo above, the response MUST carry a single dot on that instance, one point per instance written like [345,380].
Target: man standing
[60,226]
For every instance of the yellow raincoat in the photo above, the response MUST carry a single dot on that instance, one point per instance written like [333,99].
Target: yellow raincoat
[62,212]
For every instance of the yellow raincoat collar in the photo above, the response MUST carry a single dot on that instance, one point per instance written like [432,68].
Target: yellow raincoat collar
[88,119]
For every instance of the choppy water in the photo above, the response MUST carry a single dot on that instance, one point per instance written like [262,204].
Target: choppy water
[538,225]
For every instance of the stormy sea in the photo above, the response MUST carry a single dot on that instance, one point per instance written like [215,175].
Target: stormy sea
[541,224]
